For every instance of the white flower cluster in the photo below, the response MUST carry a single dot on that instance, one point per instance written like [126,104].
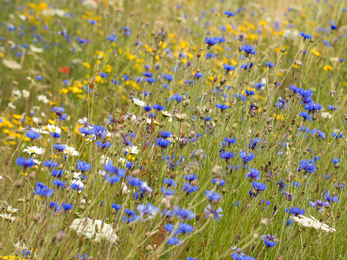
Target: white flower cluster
[94,229]
[312,222]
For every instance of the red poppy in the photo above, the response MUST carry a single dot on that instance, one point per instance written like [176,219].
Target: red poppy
[65,70]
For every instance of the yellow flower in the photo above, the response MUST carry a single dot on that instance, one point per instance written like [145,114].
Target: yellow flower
[108,68]
[315,52]
[327,68]
[64,91]
[86,64]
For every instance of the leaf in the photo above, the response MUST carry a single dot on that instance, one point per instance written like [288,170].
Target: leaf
[11,64]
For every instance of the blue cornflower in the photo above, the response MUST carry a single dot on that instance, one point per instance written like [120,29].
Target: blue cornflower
[246,158]
[257,186]
[241,97]
[189,188]
[169,182]
[26,163]
[336,135]
[55,135]
[220,182]
[226,155]
[269,64]
[333,27]
[67,206]
[103,75]
[163,143]
[165,134]
[253,174]
[249,92]
[229,141]
[147,211]
[86,130]
[60,147]
[222,106]
[177,97]
[269,243]
[332,107]
[305,36]
[103,145]
[331,198]
[318,133]
[191,177]
[116,206]
[308,166]
[50,164]
[248,49]
[184,214]
[296,211]
[57,173]
[41,189]
[228,68]
[55,206]
[167,192]
[229,14]
[281,103]
[173,241]
[168,77]
[32,135]
[158,107]
[147,108]
[59,113]
[113,169]
[216,214]
[319,204]
[211,41]
[336,160]
[288,195]
[83,166]
[212,196]
[259,85]
[59,183]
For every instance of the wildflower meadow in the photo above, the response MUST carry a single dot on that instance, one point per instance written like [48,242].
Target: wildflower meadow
[156,129]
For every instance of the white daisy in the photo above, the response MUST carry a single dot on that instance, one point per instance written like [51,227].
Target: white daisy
[12,210]
[131,149]
[138,102]
[37,162]
[16,94]
[10,105]
[69,150]
[104,159]
[26,93]
[326,115]
[43,98]
[52,128]
[8,217]
[34,150]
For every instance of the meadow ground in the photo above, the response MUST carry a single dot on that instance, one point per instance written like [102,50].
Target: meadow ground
[173,129]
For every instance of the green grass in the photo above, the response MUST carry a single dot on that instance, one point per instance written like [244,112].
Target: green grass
[170,39]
